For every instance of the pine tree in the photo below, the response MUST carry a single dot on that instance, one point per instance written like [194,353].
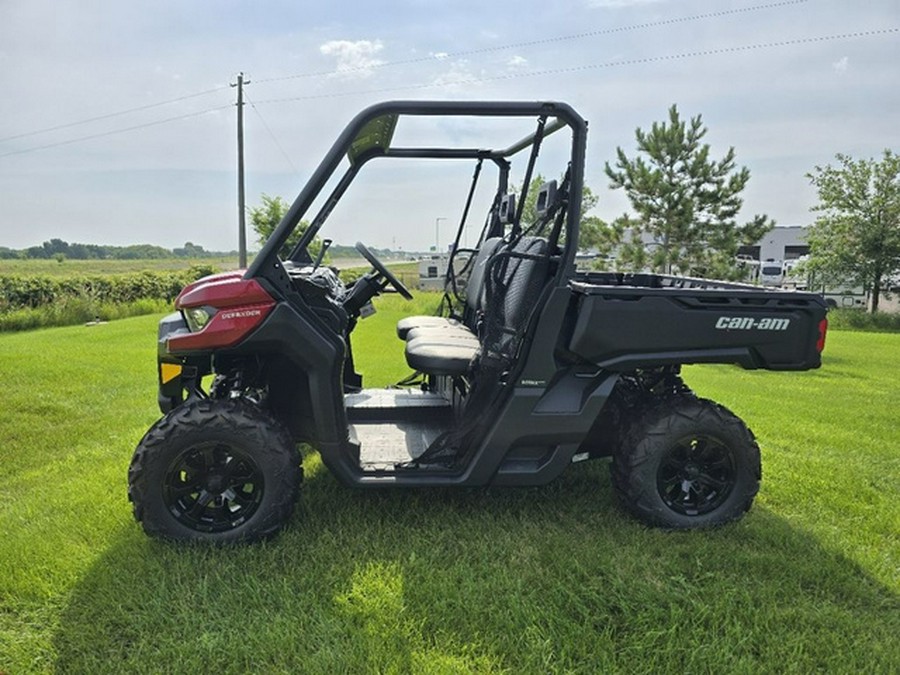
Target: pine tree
[686,203]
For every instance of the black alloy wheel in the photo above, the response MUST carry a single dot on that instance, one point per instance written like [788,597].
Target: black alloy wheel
[213,487]
[696,476]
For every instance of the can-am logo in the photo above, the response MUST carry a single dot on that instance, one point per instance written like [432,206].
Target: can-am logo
[749,323]
[240,314]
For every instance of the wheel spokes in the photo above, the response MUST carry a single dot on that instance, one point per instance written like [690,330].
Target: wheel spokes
[199,505]
[696,475]
[213,487]
[711,481]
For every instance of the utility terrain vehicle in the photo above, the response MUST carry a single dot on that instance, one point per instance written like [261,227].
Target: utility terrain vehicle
[531,367]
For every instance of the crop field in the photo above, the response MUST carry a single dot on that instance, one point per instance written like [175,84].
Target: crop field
[82,267]
[552,579]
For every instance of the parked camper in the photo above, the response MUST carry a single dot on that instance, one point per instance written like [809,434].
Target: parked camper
[842,295]
[771,273]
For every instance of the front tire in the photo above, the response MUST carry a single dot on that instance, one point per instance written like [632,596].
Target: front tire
[214,470]
[687,463]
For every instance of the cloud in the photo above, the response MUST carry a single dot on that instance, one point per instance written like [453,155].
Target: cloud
[840,66]
[458,77]
[615,4]
[517,62]
[354,59]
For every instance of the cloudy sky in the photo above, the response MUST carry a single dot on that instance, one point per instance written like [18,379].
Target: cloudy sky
[788,84]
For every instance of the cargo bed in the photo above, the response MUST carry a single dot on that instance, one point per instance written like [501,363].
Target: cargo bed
[628,321]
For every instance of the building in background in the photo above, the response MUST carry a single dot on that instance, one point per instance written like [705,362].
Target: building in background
[781,244]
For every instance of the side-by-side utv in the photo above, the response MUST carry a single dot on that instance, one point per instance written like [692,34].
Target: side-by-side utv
[531,366]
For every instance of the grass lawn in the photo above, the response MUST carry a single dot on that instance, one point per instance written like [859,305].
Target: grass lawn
[553,579]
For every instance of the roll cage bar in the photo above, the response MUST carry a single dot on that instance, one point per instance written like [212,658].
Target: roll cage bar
[369,135]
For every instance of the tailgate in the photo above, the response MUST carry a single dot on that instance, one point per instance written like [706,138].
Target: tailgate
[623,328]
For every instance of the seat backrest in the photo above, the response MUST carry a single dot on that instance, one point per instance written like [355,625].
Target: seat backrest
[525,279]
[517,276]
[475,285]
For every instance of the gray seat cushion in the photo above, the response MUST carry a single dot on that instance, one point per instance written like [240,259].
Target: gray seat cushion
[442,334]
[453,357]
[408,323]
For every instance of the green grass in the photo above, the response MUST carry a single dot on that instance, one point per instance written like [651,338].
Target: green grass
[552,579]
[376,349]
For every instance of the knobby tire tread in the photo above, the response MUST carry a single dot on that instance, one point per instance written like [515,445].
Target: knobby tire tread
[238,417]
[648,431]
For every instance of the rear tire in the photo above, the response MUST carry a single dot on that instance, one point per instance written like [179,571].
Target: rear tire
[687,463]
[216,471]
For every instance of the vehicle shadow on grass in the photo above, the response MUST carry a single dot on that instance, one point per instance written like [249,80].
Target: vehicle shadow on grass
[480,580]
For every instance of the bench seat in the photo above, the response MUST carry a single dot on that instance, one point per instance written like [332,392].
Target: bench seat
[474,294]
[442,334]
[448,357]
[405,325]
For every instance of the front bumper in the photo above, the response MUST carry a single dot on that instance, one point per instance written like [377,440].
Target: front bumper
[169,369]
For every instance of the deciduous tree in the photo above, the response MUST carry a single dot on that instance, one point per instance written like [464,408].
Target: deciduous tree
[265,218]
[857,234]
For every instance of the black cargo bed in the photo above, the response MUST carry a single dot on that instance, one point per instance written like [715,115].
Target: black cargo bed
[628,321]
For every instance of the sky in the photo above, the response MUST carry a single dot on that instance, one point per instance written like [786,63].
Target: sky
[788,84]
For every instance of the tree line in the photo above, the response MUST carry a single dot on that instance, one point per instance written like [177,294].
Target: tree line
[57,249]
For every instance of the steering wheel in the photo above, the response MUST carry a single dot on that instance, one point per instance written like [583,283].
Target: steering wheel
[383,271]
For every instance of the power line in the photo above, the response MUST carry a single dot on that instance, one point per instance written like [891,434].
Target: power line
[114,131]
[271,135]
[505,76]
[110,115]
[595,66]
[432,57]
[550,40]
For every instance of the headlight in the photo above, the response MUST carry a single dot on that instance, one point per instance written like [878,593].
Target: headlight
[198,317]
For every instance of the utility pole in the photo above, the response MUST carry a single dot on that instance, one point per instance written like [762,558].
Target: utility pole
[242,227]
[437,235]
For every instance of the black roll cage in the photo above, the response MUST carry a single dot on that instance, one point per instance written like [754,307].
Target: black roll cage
[381,119]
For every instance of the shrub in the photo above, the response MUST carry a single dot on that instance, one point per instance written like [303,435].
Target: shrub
[71,311]
[856,319]
[32,301]
[22,291]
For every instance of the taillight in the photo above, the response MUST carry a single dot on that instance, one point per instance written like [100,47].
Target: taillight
[823,329]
